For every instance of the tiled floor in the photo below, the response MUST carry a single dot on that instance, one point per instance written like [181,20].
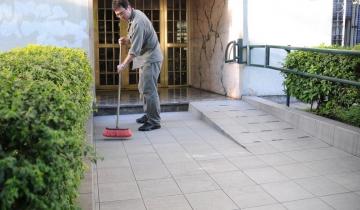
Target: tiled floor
[190,164]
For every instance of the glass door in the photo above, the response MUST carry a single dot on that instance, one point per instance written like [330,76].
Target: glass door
[169,18]
[177,43]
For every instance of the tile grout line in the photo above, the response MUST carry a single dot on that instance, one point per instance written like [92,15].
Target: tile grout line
[97,178]
[171,175]
[208,172]
[132,171]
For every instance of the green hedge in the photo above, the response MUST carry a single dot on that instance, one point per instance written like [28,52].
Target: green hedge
[45,102]
[333,100]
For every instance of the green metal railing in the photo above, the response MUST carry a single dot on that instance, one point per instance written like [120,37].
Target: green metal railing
[238,49]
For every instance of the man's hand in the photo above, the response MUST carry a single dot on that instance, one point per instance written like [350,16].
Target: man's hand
[121,67]
[123,41]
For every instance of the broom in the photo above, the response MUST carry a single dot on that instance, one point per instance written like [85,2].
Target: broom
[118,133]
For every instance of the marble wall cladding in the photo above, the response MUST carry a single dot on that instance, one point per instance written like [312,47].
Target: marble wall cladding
[209,35]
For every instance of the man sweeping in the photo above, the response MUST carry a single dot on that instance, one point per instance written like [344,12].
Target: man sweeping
[146,55]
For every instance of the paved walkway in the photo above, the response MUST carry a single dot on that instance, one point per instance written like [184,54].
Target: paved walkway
[190,164]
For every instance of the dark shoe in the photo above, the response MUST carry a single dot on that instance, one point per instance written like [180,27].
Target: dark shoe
[142,119]
[148,127]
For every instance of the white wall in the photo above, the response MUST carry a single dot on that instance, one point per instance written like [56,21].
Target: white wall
[55,22]
[282,22]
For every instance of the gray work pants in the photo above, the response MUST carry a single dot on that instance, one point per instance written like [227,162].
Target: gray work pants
[148,76]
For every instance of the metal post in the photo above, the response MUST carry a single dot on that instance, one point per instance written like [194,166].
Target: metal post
[239,51]
[287,98]
[248,54]
[267,56]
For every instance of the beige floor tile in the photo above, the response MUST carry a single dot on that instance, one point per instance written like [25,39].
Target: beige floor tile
[114,162]
[197,146]
[110,152]
[250,196]
[256,127]
[316,154]
[298,144]
[174,124]
[196,183]
[269,135]
[118,191]
[248,162]
[206,156]
[143,140]
[307,204]
[186,168]
[177,202]
[233,151]
[220,141]
[246,138]
[268,207]
[158,188]
[352,162]
[157,133]
[265,175]
[321,186]
[212,200]
[139,149]
[291,133]
[296,171]
[286,191]
[163,139]
[261,148]
[111,175]
[109,144]
[310,143]
[146,158]
[232,179]
[198,153]
[150,171]
[349,180]
[327,167]
[346,201]
[186,131]
[217,165]
[169,148]
[135,204]
[278,125]
[194,138]
[174,157]
[276,159]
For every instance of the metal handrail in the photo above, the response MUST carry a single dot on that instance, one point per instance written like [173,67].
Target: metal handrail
[239,59]
[230,45]
[318,50]
[332,79]
[237,48]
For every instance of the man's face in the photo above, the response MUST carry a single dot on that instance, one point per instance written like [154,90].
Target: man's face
[123,14]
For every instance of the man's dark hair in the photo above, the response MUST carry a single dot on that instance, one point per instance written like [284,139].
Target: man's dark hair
[120,3]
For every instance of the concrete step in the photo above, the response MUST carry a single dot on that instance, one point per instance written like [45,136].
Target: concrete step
[103,110]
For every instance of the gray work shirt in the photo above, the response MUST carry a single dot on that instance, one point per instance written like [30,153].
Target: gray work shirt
[144,42]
